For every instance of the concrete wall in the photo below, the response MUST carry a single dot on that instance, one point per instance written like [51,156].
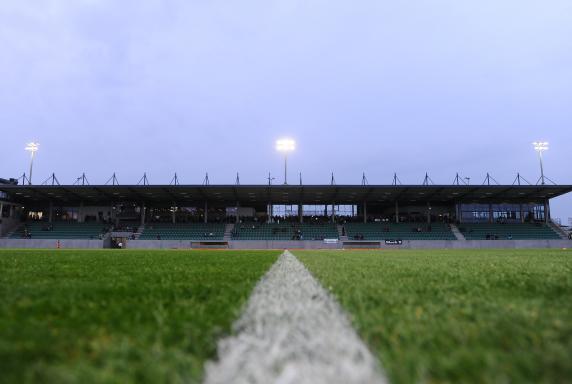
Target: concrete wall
[158,244]
[242,244]
[479,244]
[8,224]
[290,244]
[282,244]
[49,243]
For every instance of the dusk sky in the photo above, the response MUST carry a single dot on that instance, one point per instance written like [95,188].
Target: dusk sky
[160,86]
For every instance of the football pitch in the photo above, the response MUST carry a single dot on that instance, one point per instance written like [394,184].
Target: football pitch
[156,316]
[458,316]
[119,317]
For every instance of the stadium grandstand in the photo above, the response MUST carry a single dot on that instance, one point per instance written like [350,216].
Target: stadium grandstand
[278,216]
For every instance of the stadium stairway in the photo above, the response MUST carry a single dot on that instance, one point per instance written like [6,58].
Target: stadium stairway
[558,229]
[228,232]
[139,231]
[456,232]
[341,236]
[11,232]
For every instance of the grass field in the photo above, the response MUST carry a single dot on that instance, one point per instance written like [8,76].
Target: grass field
[119,316]
[155,316]
[458,316]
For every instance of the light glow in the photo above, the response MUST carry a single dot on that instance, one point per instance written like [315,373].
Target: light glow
[540,146]
[32,147]
[285,145]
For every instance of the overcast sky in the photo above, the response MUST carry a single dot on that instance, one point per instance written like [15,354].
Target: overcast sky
[438,86]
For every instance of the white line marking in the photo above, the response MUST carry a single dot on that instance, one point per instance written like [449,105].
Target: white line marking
[292,331]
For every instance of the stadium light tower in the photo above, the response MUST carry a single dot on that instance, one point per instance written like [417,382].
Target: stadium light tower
[32,148]
[285,146]
[541,146]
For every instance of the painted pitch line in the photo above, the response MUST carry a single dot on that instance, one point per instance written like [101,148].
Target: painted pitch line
[292,331]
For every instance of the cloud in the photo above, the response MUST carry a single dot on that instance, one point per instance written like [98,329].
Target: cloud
[412,87]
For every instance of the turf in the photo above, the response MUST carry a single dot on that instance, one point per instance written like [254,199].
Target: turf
[458,316]
[119,316]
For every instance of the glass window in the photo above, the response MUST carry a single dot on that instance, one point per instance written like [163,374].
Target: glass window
[285,210]
[538,211]
[314,210]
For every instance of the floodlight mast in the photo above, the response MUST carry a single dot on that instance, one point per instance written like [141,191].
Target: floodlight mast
[32,148]
[541,146]
[285,146]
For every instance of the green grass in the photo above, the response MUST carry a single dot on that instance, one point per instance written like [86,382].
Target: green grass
[458,316]
[119,316]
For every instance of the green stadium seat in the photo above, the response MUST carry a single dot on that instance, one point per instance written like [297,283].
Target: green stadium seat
[284,231]
[508,231]
[183,231]
[61,230]
[398,231]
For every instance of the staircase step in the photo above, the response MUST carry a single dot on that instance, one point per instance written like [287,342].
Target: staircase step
[457,233]
[228,228]
[559,231]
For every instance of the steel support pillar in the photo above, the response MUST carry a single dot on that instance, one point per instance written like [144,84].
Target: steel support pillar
[115,217]
[333,214]
[51,212]
[428,213]
[365,211]
[396,211]
[80,216]
[206,212]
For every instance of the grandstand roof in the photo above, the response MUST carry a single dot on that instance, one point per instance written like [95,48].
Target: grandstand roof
[280,194]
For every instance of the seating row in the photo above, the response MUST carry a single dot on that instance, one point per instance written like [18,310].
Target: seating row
[60,230]
[496,231]
[284,231]
[192,231]
[401,231]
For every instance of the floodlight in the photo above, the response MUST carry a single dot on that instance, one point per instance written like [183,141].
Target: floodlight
[285,146]
[541,146]
[32,148]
